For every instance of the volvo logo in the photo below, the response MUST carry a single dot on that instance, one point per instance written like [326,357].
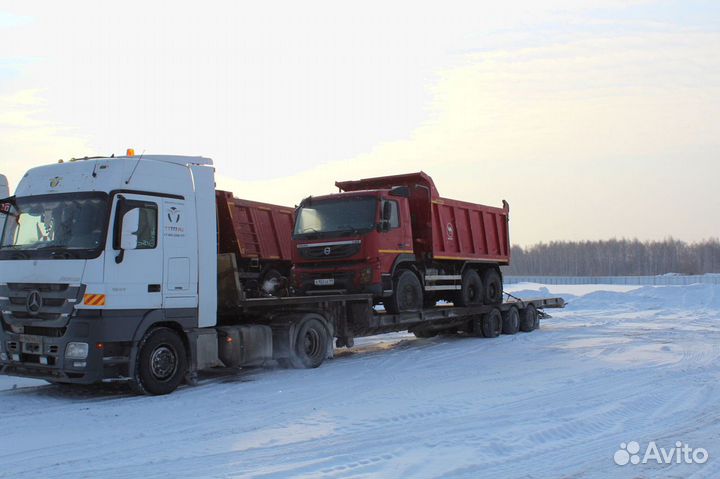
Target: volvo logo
[327,251]
[34,302]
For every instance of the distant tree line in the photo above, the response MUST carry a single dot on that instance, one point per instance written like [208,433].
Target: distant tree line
[615,257]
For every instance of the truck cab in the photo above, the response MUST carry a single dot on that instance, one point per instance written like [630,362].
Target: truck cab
[346,242]
[97,252]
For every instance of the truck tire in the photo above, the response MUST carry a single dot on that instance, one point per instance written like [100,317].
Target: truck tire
[511,321]
[161,363]
[492,323]
[493,286]
[471,292]
[311,342]
[529,319]
[407,294]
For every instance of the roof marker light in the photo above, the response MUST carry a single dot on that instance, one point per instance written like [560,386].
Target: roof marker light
[130,152]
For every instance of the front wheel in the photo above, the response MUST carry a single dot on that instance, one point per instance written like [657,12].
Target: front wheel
[161,364]
[407,294]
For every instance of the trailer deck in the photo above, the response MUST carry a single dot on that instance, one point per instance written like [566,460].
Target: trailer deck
[354,315]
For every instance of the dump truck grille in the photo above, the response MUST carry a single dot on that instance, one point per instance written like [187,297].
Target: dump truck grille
[330,251]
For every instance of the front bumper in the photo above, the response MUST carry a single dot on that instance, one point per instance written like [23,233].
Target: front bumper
[335,281]
[42,356]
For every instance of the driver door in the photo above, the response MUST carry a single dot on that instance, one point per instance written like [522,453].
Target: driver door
[134,276]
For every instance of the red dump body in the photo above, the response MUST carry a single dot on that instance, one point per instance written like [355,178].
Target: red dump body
[445,229]
[252,230]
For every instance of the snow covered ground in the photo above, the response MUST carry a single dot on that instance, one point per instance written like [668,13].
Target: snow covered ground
[619,364]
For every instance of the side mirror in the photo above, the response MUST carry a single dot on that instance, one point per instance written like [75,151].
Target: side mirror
[387,211]
[129,231]
[384,224]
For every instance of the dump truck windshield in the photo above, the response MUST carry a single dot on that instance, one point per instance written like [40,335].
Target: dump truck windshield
[55,226]
[352,215]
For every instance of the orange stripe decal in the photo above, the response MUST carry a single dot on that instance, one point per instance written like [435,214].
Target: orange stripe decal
[94,299]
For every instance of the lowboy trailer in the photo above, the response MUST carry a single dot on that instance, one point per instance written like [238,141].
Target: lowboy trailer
[126,268]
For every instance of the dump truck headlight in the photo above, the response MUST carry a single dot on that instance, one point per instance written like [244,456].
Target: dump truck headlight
[76,350]
[366,275]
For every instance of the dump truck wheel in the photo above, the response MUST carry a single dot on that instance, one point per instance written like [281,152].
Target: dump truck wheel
[310,345]
[161,364]
[493,287]
[492,324]
[407,294]
[511,321]
[529,319]
[471,292]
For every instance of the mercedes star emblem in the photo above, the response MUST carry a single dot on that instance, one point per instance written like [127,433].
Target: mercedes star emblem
[34,302]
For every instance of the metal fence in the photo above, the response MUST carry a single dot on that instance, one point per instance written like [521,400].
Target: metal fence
[664,280]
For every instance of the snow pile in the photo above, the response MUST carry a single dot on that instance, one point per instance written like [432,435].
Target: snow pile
[697,296]
[640,364]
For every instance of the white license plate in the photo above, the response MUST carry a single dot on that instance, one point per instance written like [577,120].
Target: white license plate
[27,338]
[324,282]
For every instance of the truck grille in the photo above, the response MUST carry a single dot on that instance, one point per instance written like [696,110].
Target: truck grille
[343,250]
[25,303]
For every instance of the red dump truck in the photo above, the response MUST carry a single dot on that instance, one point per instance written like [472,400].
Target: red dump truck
[396,238]
[259,235]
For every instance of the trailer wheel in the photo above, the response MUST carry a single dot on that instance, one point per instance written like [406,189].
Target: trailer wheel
[511,321]
[492,324]
[471,291]
[310,345]
[493,287]
[407,294]
[529,319]
[161,364]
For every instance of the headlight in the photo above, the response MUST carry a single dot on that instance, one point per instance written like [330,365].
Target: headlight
[76,350]
[366,275]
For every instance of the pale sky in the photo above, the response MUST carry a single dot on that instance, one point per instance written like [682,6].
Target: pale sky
[594,119]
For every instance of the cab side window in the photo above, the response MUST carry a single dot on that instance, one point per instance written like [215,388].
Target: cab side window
[147,232]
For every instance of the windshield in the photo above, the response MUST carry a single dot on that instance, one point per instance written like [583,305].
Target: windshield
[60,225]
[350,215]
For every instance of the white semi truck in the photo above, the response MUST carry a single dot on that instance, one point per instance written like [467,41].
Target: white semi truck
[109,270]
